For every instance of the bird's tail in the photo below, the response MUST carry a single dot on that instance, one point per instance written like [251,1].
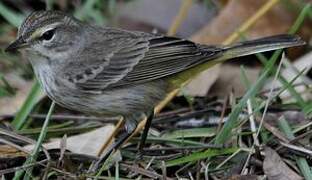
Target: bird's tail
[261,45]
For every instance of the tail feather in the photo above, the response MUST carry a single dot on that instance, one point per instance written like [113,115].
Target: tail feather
[261,45]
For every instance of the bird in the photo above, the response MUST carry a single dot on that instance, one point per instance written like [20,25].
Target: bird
[106,71]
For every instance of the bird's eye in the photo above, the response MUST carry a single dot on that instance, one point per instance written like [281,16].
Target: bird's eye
[48,35]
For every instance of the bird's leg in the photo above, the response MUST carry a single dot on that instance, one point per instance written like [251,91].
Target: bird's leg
[144,135]
[119,142]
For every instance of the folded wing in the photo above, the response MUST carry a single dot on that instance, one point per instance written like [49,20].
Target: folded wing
[145,61]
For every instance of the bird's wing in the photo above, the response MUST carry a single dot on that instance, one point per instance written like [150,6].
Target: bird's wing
[167,56]
[142,60]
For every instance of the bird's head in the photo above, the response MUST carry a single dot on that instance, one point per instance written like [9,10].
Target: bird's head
[51,34]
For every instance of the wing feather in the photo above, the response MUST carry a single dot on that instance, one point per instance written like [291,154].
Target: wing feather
[167,56]
[145,60]
[120,64]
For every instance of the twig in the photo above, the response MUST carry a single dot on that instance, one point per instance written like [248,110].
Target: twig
[166,157]
[164,170]
[178,148]
[228,158]
[76,118]
[14,145]
[66,117]
[254,18]
[300,161]
[10,170]
[173,112]
[190,175]
[275,131]
[270,96]
[23,138]
[38,144]
[297,148]
[206,171]
[186,5]
[301,136]
[252,123]
[222,114]
[111,137]
[141,171]
[263,92]
[243,171]
[16,136]
[183,116]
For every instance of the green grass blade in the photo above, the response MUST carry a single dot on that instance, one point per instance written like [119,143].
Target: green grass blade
[27,107]
[286,84]
[299,21]
[244,78]
[117,171]
[301,162]
[190,133]
[4,92]
[49,4]
[291,82]
[86,9]
[12,17]
[268,69]
[201,155]
[295,27]
[247,83]
[5,88]
[7,85]
[225,133]
[177,142]
[38,145]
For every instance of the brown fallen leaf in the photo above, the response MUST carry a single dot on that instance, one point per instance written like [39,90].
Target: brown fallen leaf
[200,85]
[87,143]
[230,80]
[276,169]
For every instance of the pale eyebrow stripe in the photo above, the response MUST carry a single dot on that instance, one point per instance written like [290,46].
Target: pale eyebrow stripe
[39,31]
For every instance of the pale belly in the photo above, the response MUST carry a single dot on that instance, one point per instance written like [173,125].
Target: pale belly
[124,101]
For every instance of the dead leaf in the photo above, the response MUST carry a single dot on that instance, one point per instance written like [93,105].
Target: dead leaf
[276,169]
[202,83]
[87,143]
[230,80]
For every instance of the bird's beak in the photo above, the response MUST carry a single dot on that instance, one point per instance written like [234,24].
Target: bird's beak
[15,45]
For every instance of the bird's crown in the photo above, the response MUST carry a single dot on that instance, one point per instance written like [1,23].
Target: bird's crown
[40,21]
